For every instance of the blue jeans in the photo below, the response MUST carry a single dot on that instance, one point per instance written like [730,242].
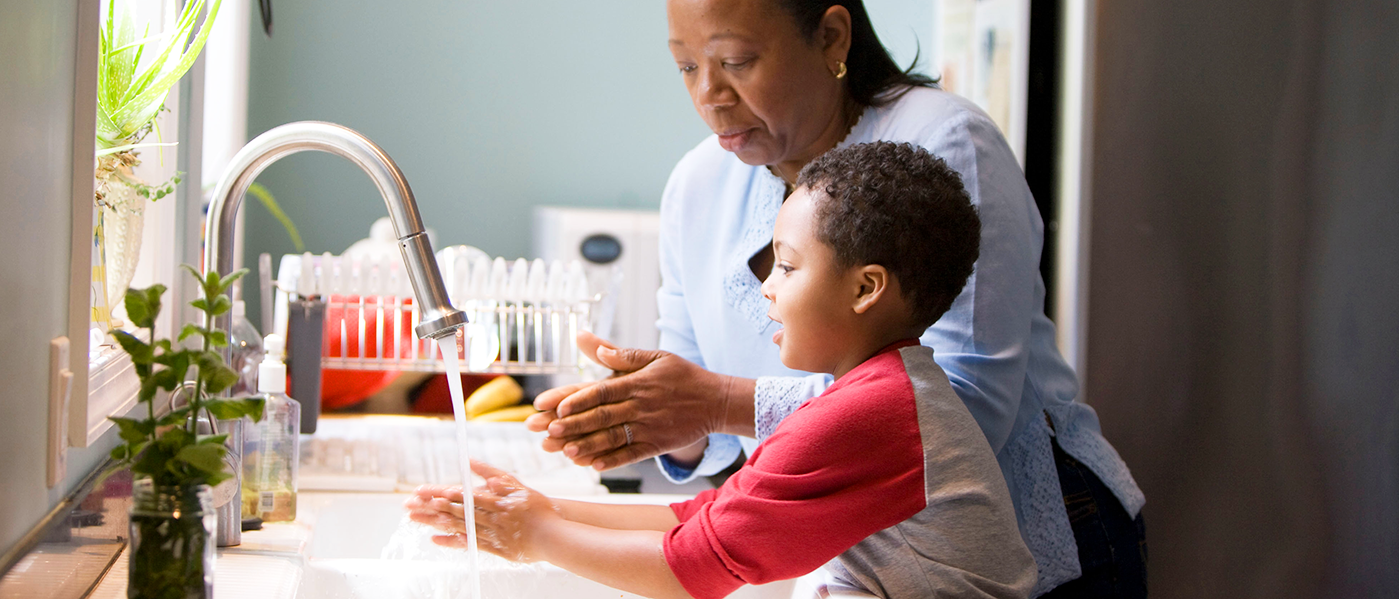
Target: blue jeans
[1111,545]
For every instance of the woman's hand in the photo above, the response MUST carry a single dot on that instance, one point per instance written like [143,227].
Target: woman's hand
[509,515]
[667,402]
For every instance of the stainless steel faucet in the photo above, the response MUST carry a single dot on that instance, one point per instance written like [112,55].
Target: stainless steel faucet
[439,318]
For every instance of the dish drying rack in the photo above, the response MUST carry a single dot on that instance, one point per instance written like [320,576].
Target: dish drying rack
[523,316]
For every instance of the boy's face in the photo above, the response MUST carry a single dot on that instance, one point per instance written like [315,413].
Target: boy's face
[807,289]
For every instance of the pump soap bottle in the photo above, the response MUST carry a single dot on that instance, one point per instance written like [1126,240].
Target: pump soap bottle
[270,469]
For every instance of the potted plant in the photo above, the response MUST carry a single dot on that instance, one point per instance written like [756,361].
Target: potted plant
[134,76]
[175,466]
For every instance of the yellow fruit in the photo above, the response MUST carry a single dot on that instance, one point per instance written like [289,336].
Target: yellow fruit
[511,414]
[499,392]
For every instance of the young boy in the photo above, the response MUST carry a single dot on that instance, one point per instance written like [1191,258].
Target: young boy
[885,479]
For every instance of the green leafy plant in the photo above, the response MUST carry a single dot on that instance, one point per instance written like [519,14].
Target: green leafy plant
[130,93]
[168,449]
[171,545]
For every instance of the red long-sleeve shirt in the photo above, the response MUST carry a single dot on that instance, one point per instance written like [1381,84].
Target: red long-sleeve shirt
[845,466]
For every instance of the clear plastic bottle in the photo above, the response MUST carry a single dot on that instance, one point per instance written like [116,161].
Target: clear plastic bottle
[270,460]
[245,351]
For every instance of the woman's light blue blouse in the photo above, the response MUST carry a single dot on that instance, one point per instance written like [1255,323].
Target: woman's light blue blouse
[995,343]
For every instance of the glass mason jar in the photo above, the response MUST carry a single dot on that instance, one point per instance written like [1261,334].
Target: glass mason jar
[172,542]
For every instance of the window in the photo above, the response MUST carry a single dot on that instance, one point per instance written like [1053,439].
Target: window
[169,226]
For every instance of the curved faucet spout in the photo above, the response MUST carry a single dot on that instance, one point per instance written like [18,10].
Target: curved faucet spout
[439,318]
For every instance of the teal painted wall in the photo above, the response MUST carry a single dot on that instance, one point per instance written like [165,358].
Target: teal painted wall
[38,41]
[489,107]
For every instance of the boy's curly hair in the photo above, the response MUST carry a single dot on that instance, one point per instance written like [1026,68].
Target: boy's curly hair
[896,205]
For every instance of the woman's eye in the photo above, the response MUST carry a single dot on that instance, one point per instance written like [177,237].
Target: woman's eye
[687,68]
[737,64]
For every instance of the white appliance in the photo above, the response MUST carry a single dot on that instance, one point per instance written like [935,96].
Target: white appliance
[609,243]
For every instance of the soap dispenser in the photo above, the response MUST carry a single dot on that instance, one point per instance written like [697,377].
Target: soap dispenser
[270,461]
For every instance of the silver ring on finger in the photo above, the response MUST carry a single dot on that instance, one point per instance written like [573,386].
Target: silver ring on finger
[626,428]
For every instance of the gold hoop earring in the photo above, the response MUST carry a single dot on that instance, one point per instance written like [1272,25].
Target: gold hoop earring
[840,71]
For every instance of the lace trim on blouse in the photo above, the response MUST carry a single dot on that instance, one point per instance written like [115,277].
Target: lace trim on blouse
[742,290]
[775,398]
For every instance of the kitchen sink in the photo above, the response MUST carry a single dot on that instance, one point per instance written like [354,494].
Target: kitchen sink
[344,558]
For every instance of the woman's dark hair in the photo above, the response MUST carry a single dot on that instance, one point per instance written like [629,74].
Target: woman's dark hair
[875,79]
[896,205]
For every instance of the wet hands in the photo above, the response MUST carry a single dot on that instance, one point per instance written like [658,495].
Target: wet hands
[667,402]
[439,507]
[508,514]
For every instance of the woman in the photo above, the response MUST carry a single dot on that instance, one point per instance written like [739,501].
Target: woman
[781,82]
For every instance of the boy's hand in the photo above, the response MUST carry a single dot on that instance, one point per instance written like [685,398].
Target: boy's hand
[508,514]
[438,506]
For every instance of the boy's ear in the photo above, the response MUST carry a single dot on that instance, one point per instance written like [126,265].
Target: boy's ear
[872,283]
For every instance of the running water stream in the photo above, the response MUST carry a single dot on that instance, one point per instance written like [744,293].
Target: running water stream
[452,362]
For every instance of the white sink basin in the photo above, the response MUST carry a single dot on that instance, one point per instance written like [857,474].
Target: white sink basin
[350,531]
[411,579]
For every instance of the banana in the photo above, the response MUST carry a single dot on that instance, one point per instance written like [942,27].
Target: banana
[510,414]
[499,392]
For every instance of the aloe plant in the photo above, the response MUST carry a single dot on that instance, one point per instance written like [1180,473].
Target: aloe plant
[130,91]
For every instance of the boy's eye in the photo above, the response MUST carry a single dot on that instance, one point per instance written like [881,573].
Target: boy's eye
[786,270]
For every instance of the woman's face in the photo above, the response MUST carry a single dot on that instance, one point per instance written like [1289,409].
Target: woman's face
[763,87]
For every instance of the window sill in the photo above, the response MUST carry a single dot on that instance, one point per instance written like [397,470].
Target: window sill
[112,390]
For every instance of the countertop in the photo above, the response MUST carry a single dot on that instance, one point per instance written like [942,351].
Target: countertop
[270,563]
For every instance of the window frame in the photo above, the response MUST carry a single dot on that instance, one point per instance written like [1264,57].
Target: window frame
[105,382]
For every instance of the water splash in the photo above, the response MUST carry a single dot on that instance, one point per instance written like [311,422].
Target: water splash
[422,569]
[452,362]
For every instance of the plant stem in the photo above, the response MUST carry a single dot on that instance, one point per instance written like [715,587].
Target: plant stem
[150,405]
[199,377]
